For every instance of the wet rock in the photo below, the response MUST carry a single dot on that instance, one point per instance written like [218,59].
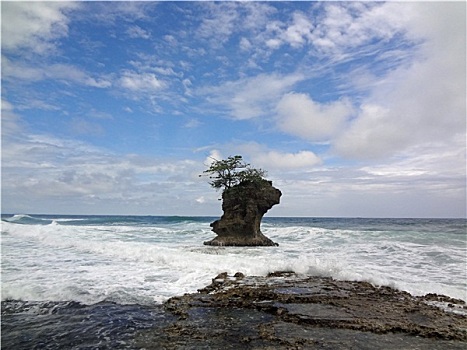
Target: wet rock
[239,275]
[288,311]
[244,206]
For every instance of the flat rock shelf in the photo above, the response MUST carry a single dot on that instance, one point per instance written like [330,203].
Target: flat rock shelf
[288,311]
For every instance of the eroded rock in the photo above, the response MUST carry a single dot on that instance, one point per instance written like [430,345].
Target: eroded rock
[289,311]
[244,205]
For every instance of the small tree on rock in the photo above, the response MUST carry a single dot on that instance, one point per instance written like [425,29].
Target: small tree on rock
[232,171]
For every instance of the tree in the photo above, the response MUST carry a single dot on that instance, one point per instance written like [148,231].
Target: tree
[229,172]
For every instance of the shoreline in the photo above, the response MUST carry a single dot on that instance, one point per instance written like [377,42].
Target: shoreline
[283,310]
[288,311]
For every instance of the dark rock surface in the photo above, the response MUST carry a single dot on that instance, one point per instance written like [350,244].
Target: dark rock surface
[244,205]
[287,311]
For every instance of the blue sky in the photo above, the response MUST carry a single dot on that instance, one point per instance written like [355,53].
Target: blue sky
[353,108]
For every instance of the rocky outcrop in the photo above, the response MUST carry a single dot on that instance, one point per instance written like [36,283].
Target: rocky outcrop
[244,205]
[287,311]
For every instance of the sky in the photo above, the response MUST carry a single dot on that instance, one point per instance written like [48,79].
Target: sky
[354,109]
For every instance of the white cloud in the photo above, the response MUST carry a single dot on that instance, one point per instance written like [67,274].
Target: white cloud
[245,44]
[59,72]
[45,173]
[82,126]
[257,15]
[136,32]
[419,103]
[34,25]
[32,28]
[221,20]
[252,97]
[338,28]
[371,135]
[6,106]
[120,11]
[10,125]
[299,32]
[346,26]
[140,81]
[187,84]
[166,71]
[213,156]
[424,181]
[407,114]
[282,160]
[273,43]
[33,103]
[299,115]
[271,159]
[192,123]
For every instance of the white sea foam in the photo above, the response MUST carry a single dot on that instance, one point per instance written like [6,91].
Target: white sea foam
[18,217]
[150,263]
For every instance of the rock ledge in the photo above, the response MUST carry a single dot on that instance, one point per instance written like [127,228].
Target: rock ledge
[288,311]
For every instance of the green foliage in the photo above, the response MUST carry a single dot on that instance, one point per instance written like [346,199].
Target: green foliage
[229,172]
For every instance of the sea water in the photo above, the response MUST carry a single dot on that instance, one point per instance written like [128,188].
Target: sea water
[51,261]
[145,260]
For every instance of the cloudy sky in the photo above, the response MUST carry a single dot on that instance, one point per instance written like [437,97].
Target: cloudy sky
[353,108]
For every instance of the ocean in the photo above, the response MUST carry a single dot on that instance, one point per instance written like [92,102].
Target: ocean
[118,268]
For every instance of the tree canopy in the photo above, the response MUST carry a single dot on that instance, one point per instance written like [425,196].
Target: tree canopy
[229,172]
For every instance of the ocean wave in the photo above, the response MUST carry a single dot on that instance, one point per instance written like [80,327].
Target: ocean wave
[27,220]
[150,263]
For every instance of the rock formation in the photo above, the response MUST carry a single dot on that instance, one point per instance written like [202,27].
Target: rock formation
[286,311]
[244,206]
